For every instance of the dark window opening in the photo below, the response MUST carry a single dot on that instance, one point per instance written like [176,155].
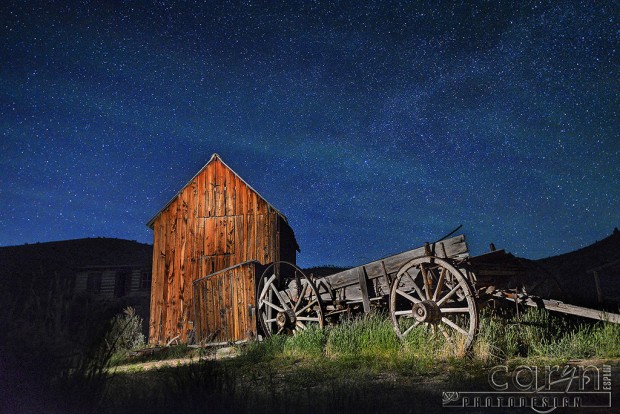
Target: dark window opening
[145,280]
[122,284]
[93,283]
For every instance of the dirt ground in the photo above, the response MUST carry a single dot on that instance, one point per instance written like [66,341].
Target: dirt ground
[359,390]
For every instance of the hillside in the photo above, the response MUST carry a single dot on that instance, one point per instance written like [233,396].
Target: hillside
[76,253]
[572,270]
[321,271]
[32,268]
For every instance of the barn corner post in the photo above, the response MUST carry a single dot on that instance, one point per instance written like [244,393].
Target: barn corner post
[210,242]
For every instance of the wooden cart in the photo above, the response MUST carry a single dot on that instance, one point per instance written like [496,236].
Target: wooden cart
[438,285]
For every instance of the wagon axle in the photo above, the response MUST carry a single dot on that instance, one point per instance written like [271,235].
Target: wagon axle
[286,319]
[426,311]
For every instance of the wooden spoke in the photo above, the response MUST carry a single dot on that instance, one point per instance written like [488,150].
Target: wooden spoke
[439,287]
[448,296]
[279,309]
[404,312]
[300,324]
[269,309]
[410,329]
[408,296]
[455,310]
[300,296]
[307,319]
[270,320]
[454,326]
[445,333]
[425,279]
[280,298]
[305,308]
[416,287]
[266,288]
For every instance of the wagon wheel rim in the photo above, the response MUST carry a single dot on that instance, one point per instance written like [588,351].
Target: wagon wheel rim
[429,291]
[287,300]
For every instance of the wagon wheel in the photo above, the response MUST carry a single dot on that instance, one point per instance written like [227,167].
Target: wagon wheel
[287,300]
[429,291]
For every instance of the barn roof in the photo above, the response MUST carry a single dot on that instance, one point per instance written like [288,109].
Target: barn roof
[213,158]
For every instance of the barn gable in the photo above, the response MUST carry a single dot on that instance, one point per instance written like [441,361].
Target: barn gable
[216,221]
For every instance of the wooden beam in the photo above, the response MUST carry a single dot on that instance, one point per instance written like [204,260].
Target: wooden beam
[597,284]
[561,307]
[363,282]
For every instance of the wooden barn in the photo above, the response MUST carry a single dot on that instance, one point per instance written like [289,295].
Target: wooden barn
[210,243]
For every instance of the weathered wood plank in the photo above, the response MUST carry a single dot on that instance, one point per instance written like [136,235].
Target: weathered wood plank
[363,282]
[250,246]
[230,235]
[240,252]
[251,301]
[220,184]
[210,191]
[230,193]
[210,306]
[455,247]
[240,195]
[561,307]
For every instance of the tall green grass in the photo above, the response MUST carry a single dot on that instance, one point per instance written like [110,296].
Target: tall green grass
[539,334]
[357,366]
[534,333]
[369,335]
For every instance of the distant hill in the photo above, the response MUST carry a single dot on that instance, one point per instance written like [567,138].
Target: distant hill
[572,270]
[320,271]
[39,263]
[76,253]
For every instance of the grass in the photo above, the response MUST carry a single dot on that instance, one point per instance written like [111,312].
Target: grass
[155,354]
[538,334]
[370,341]
[357,366]
[360,366]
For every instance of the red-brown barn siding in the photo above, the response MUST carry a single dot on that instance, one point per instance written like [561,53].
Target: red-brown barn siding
[216,221]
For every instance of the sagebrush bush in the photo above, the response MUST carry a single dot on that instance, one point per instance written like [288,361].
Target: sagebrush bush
[125,331]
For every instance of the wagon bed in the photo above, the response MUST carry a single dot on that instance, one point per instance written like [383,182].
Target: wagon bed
[438,285]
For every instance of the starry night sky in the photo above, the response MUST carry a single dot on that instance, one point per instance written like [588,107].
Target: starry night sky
[373,126]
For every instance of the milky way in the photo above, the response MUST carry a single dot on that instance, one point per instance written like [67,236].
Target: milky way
[373,126]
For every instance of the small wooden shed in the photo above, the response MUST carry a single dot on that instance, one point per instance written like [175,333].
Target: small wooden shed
[215,222]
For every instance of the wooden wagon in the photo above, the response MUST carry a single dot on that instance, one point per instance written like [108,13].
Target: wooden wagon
[438,285]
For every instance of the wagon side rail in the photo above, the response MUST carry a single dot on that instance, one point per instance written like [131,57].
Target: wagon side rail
[372,281]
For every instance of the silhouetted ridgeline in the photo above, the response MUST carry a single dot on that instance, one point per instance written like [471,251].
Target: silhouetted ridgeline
[72,254]
[575,272]
[34,266]
[320,271]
